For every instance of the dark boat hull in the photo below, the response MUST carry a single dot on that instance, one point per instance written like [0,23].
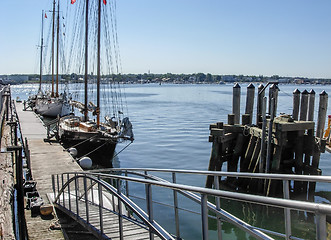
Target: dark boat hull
[99,149]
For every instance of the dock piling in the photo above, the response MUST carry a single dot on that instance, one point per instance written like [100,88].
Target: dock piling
[260,97]
[304,105]
[276,144]
[323,105]
[296,104]
[236,102]
[250,101]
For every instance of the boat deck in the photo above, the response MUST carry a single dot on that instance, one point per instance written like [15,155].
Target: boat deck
[47,158]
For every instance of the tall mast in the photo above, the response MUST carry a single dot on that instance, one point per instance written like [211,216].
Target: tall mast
[98,64]
[57,49]
[41,49]
[53,28]
[86,60]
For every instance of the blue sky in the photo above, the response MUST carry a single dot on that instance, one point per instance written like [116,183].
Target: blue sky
[256,37]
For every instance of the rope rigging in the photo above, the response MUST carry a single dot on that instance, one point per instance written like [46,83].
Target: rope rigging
[111,93]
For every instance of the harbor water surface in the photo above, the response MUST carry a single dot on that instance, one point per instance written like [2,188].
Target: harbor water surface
[171,127]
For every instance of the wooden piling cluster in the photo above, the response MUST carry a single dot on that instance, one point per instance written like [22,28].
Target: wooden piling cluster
[273,144]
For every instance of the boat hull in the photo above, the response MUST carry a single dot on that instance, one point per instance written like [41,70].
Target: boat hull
[99,149]
[52,109]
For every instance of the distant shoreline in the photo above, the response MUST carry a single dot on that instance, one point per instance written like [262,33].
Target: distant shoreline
[146,78]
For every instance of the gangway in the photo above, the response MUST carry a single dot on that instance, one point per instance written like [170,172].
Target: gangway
[101,201]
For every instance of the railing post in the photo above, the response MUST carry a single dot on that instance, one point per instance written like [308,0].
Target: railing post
[218,207]
[287,211]
[126,184]
[69,197]
[27,156]
[58,186]
[320,226]
[63,193]
[176,207]
[53,186]
[120,220]
[15,134]
[86,200]
[204,216]
[91,189]
[76,194]
[112,196]
[100,205]
[148,189]
[127,188]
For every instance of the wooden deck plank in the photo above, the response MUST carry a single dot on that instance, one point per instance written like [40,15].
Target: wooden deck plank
[49,158]
[131,230]
[46,159]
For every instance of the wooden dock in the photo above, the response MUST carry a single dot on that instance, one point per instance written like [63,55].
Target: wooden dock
[46,158]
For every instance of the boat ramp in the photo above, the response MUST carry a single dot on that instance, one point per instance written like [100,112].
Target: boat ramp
[104,204]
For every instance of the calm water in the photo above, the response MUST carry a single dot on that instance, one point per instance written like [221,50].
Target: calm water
[171,127]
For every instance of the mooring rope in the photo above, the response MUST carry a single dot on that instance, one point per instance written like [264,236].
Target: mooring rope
[93,150]
[80,143]
[121,150]
[102,146]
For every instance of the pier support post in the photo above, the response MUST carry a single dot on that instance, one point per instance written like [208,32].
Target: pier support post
[311,105]
[273,94]
[250,101]
[236,103]
[214,157]
[323,105]
[304,105]
[296,104]
[260,97]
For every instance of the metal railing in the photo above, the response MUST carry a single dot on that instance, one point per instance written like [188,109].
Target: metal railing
[68,192]
[201,195]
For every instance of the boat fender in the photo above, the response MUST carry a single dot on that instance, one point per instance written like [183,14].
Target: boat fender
[73,152]
[85,162]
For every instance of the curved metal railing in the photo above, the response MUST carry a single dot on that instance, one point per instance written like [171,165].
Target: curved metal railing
[200,194]
[63,196]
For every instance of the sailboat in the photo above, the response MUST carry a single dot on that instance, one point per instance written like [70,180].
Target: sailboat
[53,104]
[33,99]
[93,138]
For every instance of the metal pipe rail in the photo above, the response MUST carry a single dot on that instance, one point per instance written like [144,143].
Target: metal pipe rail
[320,210]
[60,188]
[271,176]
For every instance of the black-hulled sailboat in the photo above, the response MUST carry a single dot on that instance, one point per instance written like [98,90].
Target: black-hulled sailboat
[91,137]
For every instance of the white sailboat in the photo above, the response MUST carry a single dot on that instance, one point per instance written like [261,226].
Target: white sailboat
[52,104]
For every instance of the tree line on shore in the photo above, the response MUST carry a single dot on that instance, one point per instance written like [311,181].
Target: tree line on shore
[201,78]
